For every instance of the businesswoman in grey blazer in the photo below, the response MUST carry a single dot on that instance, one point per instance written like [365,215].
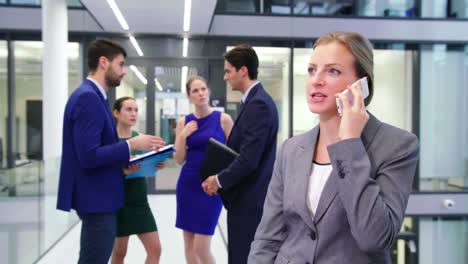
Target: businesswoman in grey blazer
[338,192]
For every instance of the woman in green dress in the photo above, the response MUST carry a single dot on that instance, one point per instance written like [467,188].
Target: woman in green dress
[135,218]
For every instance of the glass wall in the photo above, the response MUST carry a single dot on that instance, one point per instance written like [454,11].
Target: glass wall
[27,143]
[363,8]
[3,104]
[254,6]
[323,7]
[135,87]
[444,143]
[28,192]
[386,8]
[70,3]
[445,8]
[443,240]
[443,121]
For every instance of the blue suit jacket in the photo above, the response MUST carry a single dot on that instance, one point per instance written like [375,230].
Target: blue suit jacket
[91,177]
[254,138]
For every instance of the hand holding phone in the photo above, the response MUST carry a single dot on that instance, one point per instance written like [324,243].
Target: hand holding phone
[349,94]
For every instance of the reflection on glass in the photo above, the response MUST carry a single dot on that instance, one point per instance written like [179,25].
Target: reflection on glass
[254,6]
[443,240]
[273,73]
[392,89]
[393,86]
[387,8]
[27,143]
[26,2]
[133,86]
[3,105]
[70,3]
[323,7]
[233,6]
[443,124]
[444,8]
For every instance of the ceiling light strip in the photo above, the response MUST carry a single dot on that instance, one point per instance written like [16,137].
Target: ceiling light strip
[118,14]
[187,11]
[138,74]
[136,46]
[185,47]
[183,78]
[158,84]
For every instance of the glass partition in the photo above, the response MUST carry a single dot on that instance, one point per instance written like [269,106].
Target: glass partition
[3,104]
[70,3]
[27,143]
[361,8]
[135,87]
[30,224]
[444,9]
[323,8]
[443,123]
[443,240]
[386,8]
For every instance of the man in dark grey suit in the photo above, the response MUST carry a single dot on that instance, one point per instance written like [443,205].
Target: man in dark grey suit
[244,183]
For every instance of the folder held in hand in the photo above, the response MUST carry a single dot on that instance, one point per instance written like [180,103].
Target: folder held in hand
[148,162]
[217,157]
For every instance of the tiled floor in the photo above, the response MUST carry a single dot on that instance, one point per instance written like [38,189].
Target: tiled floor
[164,208]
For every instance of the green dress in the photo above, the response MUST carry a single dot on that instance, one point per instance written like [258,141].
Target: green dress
[135,217]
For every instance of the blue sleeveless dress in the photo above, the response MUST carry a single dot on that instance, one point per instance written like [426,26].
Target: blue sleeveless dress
[198,212]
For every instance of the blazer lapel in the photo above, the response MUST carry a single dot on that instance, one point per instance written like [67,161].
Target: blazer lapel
[304,155]
[106,107]
[330,190]
[242,108]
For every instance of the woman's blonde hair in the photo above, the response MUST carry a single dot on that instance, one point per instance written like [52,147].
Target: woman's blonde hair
[361,49]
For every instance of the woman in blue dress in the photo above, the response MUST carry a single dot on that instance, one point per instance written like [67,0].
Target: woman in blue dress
[197,212]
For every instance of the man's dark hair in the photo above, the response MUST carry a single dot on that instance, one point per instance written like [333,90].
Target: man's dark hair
[103,47]
[243,55]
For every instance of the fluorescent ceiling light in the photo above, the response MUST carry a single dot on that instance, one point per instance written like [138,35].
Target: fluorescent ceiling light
[138,74]
[187,11]
[136,46]
[158,84]
[118,14]
[185,47]
[183,78]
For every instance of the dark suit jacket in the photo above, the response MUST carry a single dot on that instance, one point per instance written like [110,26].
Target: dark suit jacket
[254,138]
[361,207]
[91,177]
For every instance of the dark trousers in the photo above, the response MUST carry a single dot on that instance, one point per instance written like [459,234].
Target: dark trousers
[242,222]
[97,237]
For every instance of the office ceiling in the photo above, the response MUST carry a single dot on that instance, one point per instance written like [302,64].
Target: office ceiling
[153,16]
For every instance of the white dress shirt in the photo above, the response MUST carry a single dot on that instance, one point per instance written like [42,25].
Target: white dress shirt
[318,179]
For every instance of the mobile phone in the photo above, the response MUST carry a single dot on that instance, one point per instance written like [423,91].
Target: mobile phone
[349,94]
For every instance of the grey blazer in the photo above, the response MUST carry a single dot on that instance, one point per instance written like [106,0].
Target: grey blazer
[361,208]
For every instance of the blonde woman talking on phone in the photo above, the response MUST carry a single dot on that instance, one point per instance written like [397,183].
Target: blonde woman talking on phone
[338,192]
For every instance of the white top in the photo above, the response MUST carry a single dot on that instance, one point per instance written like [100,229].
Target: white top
[103,92]
[246,94]
[318,179]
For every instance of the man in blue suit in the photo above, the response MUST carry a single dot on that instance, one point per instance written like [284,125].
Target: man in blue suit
[91,175]
[245,182]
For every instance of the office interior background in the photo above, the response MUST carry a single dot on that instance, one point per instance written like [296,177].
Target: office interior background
[421,85]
